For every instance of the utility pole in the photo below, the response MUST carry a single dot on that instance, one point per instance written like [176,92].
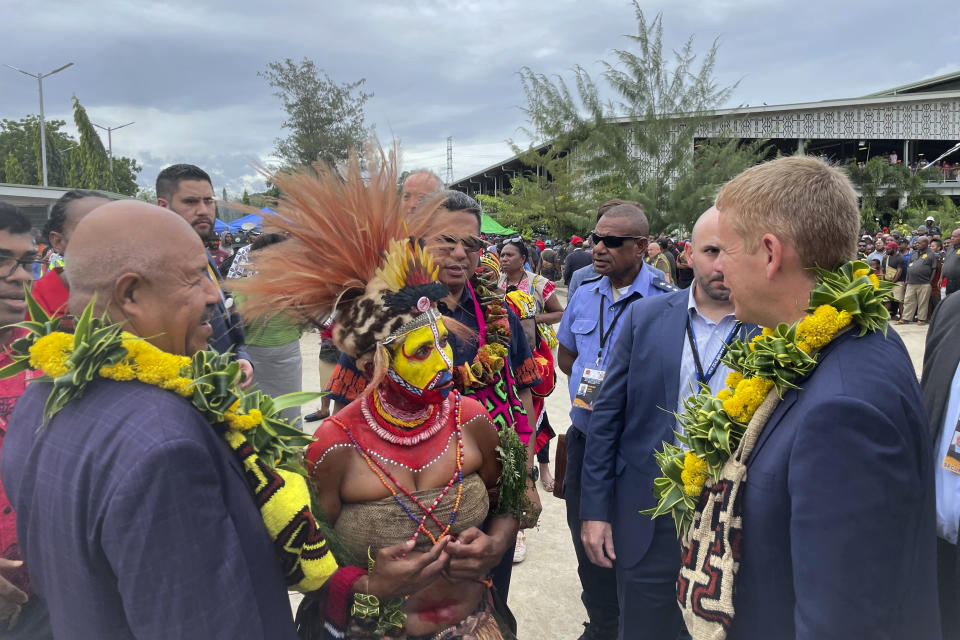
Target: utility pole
[449,160]
[110,131]
[43,129]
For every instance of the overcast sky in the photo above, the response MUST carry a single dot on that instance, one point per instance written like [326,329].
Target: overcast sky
[186,72]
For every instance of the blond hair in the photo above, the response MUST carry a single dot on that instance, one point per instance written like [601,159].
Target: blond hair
[803,201]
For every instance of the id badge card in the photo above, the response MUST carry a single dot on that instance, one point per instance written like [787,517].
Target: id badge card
[951,462]
[590,383]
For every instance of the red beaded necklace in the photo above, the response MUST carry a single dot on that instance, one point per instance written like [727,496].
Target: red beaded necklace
[380,470]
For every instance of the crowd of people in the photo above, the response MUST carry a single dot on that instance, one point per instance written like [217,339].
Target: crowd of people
[152,487]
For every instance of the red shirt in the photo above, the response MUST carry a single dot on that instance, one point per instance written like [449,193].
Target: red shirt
[51,293]
[10,391]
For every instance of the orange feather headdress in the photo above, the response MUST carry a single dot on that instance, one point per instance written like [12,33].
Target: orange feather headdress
[352,254]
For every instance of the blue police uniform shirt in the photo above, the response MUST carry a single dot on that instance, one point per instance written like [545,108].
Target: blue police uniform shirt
[580,327]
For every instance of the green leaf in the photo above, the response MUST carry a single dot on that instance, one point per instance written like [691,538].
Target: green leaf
[14,368]
[37,313]
[295,399]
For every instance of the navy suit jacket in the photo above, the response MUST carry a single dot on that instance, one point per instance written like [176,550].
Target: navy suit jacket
[838,513]
[632,416]
[135,520]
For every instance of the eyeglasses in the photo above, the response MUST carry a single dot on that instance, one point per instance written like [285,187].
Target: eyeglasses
[470,243]
[612,242]
[515,240]
[33,266]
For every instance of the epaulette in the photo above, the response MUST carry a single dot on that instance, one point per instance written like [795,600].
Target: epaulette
[663,285]
[593,278]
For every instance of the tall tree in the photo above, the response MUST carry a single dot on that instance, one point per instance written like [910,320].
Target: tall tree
[639,145]
[22,138]
[546,198]
[13,172]
[95,163]
[125,172]
[325,119]
[74,167]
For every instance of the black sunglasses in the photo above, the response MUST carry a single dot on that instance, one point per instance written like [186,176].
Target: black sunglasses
[470,243]
[612,242]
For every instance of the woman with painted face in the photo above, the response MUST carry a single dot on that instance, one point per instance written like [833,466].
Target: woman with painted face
[410,466]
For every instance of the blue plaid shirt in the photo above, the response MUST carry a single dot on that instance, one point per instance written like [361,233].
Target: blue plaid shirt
[580,331]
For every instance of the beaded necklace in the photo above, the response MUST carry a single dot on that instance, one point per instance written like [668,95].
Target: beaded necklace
[405,437]
[383,474]
[400,417]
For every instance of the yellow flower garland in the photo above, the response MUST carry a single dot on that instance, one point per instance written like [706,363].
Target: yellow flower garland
[282,495]
[712,425]
[143,362]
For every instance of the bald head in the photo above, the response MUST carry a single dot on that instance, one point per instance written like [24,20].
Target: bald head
[702,252]
[147,268]
[120,237]
[417,186]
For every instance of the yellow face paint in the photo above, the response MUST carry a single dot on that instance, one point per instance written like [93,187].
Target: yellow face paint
[423,360]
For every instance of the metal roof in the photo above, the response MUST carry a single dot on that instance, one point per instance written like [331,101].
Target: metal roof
[906,93]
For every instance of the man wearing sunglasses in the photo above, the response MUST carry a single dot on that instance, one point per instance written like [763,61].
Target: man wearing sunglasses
[588,272]
[588,332]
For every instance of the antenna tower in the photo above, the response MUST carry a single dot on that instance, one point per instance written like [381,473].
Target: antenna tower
[449,159]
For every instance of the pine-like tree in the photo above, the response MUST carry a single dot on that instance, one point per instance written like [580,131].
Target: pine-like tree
[13,172]
[641,146]
[95,163]
[74,167]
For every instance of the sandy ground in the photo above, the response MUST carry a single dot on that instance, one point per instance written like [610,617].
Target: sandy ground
[545,589]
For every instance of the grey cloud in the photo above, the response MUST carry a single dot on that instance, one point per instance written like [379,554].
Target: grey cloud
[186,71]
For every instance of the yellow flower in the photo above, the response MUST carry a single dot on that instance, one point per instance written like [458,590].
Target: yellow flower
[241,421]
[121,371]
[50,353]
[819,328]
[747,397]
[859,273]
[803,346]
[733,379]
[767,331]
[694,474]
[723,394]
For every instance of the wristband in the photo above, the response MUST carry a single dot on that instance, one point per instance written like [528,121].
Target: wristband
[340,592]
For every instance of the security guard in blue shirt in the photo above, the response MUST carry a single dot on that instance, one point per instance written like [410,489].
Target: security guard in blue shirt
[588,331]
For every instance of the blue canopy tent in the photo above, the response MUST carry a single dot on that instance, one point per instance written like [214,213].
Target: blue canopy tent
[219,226]
[237,225]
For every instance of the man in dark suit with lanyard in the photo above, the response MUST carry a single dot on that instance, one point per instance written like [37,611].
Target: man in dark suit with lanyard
[645,382]
[588,331]
[941,395]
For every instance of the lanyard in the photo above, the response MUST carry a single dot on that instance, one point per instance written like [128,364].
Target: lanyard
[704,377]
[605,336]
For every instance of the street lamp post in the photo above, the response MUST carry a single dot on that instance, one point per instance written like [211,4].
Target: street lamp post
[110,131]
[43,130]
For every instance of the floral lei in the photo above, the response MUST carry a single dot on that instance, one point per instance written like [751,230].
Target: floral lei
[779,358]
[269,448]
